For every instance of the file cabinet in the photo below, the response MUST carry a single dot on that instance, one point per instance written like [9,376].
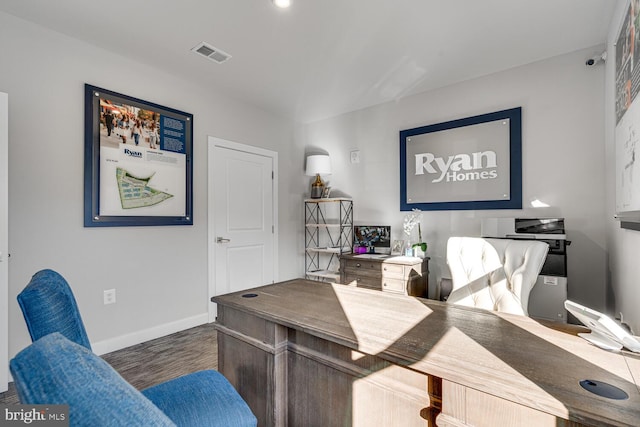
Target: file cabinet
[393,274]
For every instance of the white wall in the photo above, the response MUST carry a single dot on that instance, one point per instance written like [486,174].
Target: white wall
[624,294]
[563,131]
[160,273]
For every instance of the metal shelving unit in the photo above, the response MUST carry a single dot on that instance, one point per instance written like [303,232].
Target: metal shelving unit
[328,234]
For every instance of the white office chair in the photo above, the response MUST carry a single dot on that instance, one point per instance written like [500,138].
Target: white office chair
[494,274]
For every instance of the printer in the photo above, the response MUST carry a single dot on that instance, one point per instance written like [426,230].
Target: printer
[524,228]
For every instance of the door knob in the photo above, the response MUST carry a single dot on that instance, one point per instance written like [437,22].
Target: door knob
[222,240]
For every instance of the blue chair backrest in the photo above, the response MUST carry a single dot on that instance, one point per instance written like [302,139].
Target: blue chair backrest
[48,306]
[56,371]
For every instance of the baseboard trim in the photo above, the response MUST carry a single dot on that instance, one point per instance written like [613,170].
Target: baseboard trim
[123,341]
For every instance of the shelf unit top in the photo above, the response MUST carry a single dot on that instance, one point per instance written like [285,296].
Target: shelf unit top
[330,199]
[338,250]
[329,224]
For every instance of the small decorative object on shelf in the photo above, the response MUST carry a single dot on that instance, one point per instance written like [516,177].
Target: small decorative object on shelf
[418,249]
[328,234]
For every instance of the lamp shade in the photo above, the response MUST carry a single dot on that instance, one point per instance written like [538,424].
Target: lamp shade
[318,164]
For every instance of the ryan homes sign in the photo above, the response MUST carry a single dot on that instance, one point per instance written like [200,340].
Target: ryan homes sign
[472,163]
[461,167]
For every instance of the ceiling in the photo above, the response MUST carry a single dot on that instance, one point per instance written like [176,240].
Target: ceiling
[320,58]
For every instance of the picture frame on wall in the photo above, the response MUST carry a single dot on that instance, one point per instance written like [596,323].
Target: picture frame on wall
[627,119]
[465,164]
[138,168]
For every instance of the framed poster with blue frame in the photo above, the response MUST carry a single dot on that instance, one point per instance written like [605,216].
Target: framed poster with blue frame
[627,127]
[138,168]
[465,164]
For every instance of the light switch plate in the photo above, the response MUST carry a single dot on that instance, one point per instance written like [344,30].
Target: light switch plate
[109,296]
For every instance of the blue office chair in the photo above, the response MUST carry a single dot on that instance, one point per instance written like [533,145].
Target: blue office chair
[48,305]
[204,398]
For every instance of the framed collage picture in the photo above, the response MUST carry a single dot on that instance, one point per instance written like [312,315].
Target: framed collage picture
[138,162]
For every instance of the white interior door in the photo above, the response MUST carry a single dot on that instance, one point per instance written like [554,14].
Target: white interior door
[242,217]
[4,242]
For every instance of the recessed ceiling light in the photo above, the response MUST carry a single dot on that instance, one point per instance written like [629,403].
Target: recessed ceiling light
[282,3]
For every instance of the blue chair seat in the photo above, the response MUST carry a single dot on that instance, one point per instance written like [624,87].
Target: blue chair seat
[55,370]
[204,398]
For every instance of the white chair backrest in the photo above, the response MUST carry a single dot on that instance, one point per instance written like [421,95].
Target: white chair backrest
[494,274]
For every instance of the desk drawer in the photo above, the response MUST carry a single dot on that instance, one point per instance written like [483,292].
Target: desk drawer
[363,265]
[393,285]
[354,272]
[394,271]
[362,281]
[363,269]
[369,285]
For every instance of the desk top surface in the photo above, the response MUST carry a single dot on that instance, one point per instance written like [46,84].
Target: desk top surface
[387,259]
[512,357]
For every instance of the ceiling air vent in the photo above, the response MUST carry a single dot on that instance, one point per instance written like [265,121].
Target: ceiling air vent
[210,52]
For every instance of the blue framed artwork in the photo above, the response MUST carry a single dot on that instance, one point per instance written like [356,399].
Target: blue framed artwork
[465,164]
[627,107]
[138,168]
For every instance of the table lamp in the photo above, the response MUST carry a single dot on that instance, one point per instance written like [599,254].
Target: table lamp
[318,164]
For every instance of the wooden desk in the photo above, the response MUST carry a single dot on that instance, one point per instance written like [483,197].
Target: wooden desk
[319,354]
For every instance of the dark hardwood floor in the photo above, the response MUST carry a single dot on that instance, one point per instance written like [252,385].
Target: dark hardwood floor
[159,360]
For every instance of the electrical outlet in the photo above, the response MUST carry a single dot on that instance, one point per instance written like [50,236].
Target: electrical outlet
[355,156]
[110,296]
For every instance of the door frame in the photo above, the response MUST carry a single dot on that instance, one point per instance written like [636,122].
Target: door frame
[4,241]
[212,143]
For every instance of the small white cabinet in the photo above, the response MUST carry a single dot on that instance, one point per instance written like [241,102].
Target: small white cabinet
[328,227]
